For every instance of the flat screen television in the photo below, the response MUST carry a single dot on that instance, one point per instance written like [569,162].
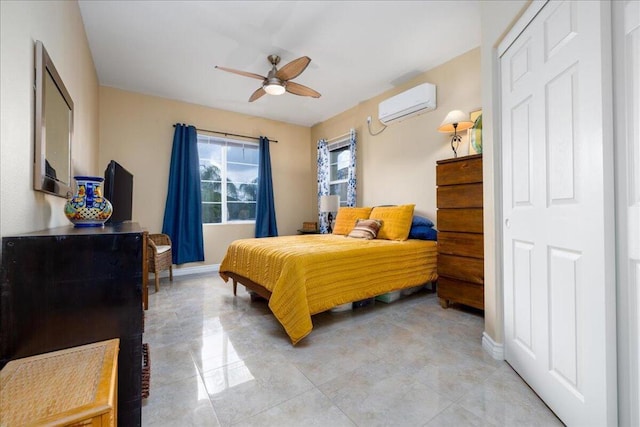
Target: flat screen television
[118,189]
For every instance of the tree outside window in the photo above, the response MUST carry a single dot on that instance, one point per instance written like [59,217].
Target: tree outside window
[228,179]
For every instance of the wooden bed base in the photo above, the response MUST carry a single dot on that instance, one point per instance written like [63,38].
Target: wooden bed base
[266,294]
[249,284]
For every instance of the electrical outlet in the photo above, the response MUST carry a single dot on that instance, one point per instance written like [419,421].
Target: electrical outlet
[369,119]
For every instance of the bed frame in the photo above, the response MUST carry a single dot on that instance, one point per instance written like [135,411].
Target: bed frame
[249,284]
[263,292]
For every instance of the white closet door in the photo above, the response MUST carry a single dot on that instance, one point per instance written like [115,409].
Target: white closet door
[558,229]
[626,44]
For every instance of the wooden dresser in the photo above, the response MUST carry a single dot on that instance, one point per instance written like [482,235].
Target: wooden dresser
[64,287]
[75,386]
[460,231]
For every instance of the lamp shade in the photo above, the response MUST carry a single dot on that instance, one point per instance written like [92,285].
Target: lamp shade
[457,118]
[329,203]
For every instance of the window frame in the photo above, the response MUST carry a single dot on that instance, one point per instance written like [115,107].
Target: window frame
[225,143]
[341,145]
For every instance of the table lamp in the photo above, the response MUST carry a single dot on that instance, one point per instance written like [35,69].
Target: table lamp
[329,204]
[456,120]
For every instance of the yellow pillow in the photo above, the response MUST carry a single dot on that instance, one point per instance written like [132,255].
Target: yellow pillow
[396,221]
[347,217]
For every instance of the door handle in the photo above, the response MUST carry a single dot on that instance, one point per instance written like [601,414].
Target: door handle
[507,223]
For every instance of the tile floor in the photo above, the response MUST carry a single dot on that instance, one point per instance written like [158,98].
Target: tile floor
[222,360]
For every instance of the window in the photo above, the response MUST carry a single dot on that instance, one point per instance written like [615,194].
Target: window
[228,179]
[339,169]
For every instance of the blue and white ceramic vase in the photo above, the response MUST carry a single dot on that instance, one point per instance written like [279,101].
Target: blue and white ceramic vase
[88,208]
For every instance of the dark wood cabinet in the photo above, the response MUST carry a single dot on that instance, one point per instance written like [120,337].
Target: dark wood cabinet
[460,231]
[67,286]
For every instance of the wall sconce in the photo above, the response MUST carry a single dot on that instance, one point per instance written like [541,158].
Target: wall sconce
[329,204]
[456,120]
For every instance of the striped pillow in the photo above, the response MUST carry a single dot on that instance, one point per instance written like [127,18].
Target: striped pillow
[365,229]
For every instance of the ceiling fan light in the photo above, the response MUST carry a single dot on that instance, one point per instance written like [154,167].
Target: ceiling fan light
[274,89]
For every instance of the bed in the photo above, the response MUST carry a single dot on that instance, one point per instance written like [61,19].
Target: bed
[307,274]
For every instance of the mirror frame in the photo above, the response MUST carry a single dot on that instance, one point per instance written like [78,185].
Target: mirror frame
[58,186]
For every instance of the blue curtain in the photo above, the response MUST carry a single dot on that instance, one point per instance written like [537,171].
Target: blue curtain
[183,210]
[265,210]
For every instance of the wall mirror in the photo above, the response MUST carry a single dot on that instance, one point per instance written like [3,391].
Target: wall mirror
[53,128]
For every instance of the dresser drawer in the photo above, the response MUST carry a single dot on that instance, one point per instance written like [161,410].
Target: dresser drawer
[460,231]
[465,220]
[462,268]
[463,244]
[460,196]
[459,171]
[467,293]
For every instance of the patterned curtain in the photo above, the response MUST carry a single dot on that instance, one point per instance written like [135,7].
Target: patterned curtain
[323,182]
[351,184]
[324,176]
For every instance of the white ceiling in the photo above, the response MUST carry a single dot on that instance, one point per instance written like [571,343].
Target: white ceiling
[358,49]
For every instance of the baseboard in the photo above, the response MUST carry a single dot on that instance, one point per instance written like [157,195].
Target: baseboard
[184,271]
[494,349]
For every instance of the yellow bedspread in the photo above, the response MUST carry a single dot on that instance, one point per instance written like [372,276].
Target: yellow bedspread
[308,274]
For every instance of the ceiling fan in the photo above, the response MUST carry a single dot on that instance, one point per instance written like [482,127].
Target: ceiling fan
[279,81]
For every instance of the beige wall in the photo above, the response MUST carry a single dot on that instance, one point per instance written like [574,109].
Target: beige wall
[59,26]
[398,166]
[137,131]
[496,17]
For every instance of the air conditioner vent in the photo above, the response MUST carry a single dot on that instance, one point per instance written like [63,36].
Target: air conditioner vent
[417,100]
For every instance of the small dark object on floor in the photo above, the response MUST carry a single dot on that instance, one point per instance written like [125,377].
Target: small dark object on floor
[146,371]
[363,303]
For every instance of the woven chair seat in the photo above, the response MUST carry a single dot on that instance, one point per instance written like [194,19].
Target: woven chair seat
[159,256]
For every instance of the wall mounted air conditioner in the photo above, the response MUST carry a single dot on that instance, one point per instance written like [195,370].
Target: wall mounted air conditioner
[417,100]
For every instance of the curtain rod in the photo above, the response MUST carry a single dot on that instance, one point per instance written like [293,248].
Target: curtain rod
[234,134]
[339,136]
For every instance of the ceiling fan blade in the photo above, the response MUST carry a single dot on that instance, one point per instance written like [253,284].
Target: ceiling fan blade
[293,69]
[257,94]
[242,73]
[298,89]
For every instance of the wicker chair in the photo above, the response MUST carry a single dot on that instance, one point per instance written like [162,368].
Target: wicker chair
[159,256]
